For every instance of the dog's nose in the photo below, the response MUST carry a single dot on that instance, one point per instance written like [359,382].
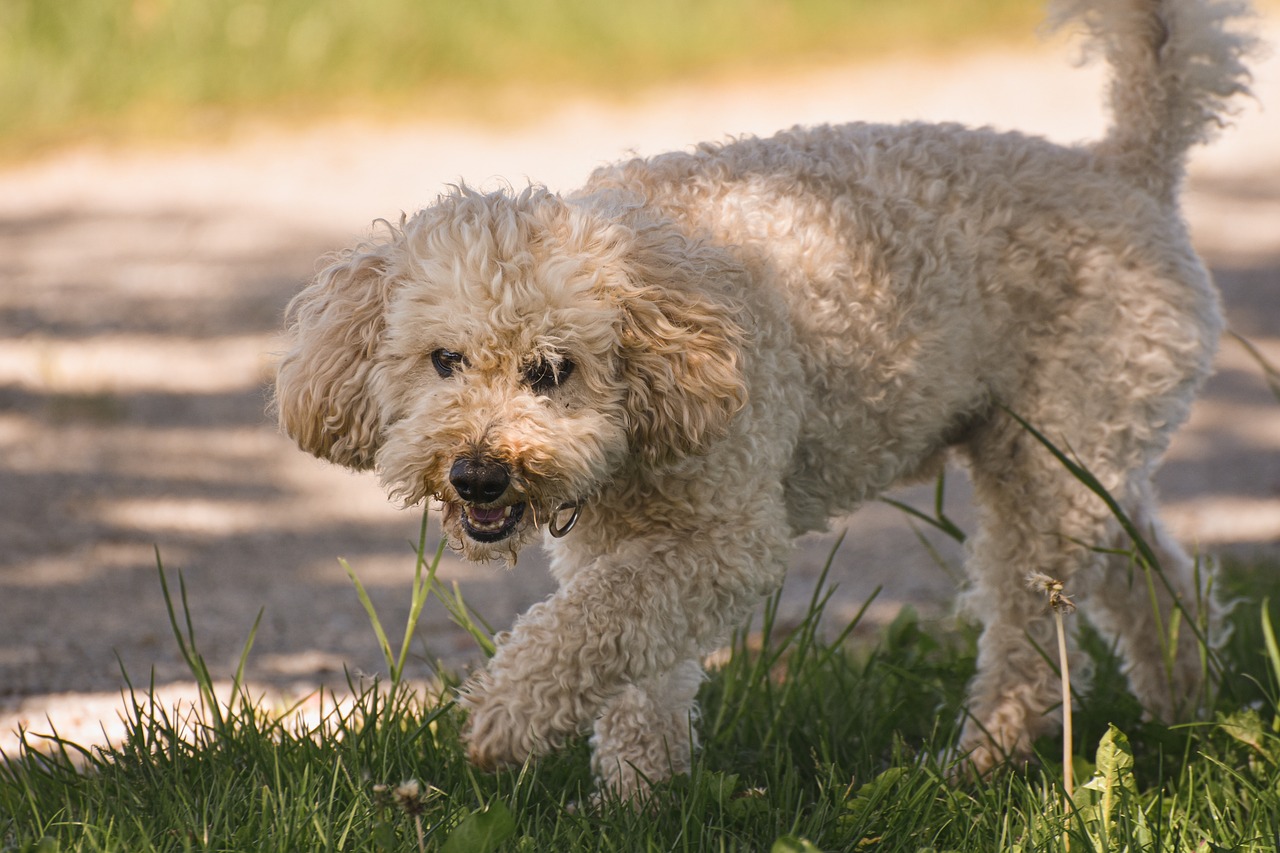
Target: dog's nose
[479,480]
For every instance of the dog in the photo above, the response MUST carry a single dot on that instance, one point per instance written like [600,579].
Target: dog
[669,374]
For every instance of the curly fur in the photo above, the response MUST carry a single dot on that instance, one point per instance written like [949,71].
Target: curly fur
[749,338]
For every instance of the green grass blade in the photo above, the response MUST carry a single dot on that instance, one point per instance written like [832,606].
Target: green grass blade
[939,520]
[383,643]
[942,523]
[1269,638]
[187,645]
[1269,371]
[466,618]
[422,588]
[237,682]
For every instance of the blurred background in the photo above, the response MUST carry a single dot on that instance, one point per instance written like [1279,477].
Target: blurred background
[171,170]
[108,68]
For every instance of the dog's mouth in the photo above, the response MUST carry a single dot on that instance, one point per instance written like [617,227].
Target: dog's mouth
[491,523]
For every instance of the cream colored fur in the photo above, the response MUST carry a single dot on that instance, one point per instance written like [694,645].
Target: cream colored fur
[757,336]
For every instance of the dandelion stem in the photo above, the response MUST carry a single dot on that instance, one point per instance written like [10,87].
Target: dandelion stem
[1068,780]
[1060,604]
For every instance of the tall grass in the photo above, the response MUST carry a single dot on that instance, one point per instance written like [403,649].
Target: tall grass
[103,66]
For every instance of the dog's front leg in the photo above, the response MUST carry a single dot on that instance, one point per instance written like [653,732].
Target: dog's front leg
[646,733]
[628,620]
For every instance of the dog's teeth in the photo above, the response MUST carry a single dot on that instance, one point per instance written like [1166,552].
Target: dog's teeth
[489,519]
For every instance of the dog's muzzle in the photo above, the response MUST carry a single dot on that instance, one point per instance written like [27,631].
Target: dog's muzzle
[481,484]
[479,480]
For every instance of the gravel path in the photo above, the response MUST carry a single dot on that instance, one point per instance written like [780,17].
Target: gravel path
[140,293]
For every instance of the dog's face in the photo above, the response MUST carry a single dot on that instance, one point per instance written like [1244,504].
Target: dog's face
[509,356]
[501,395]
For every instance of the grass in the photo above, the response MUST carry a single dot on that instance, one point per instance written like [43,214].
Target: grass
[94,69]
[808,745]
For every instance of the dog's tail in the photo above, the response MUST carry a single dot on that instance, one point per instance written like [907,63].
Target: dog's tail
[1175,67]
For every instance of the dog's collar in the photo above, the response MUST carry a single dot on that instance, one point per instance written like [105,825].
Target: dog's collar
[561,530]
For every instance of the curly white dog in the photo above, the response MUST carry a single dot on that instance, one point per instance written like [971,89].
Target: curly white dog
[701,355]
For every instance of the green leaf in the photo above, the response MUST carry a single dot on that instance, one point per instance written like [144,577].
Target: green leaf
[791,844]
[1115,760]
[1247,727]
[481,831]
[720,787]
[749,804]
[45,845]
[862,809]
[1113,782]
[384,836]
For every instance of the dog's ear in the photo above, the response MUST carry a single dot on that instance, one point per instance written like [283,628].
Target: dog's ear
[681,346]
[322,394]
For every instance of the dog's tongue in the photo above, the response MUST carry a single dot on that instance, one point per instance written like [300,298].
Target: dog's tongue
[487,515]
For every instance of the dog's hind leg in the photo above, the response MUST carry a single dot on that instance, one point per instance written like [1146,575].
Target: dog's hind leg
[1160,617]
[1106,381]
[1035,518]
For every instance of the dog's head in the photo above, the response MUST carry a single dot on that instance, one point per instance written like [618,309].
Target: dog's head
[511,356]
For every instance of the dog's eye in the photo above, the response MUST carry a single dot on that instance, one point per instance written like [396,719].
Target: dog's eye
[447,361]
[544,375]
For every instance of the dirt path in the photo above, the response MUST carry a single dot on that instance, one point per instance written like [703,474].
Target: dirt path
[139,296]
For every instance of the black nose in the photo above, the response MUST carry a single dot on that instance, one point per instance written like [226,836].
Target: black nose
[479,480]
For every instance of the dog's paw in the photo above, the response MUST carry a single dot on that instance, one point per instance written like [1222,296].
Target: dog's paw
[497,734]
[978,757]
[965,764]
